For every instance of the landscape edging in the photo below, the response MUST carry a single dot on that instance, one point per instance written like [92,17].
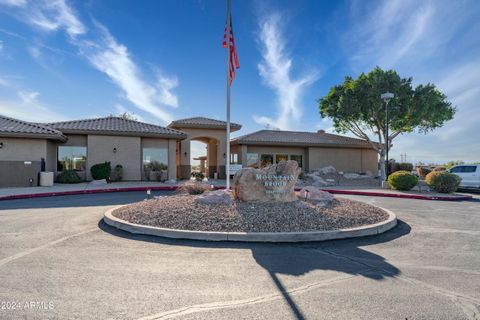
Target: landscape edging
[309,236]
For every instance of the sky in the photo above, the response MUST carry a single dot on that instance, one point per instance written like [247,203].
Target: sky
[163,60]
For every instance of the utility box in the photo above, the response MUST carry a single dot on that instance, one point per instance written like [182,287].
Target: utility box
[46,179]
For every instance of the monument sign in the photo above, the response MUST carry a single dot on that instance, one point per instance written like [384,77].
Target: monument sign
[273,183]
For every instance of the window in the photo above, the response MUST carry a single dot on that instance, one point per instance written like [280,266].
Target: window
[233,158]
[266,160]
[281,157]
[456,169]
[159,155]
[469,168]
[298,158]
[252,160]
[69,157]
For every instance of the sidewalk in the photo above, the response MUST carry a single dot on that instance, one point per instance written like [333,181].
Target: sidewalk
[125,186]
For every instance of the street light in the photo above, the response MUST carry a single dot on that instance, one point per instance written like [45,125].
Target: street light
[387,96]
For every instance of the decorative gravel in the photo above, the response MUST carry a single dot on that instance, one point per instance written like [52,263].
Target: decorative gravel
[181,212]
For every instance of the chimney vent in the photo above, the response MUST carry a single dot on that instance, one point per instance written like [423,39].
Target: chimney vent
[321,131]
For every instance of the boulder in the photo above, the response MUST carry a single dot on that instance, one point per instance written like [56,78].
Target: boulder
[319,182]
[215,197]
[351,175]
[273,183]
[327,170]
[314,194]
[171,181]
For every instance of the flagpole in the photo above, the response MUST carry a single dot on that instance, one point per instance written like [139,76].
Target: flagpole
[227,159]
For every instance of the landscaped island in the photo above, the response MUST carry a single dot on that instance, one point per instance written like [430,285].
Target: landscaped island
[183,212]
[263,200]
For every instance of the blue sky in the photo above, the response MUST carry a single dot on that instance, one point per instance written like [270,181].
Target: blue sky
[163,60]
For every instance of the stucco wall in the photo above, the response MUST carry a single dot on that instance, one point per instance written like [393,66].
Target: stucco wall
[343,159]
[51,159]
[15,151]
[19,149]
[100,149]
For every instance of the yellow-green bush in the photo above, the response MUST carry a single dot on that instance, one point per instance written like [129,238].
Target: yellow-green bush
[443,181]
[402,180]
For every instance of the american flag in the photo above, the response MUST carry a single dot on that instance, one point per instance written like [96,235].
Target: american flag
[233,62]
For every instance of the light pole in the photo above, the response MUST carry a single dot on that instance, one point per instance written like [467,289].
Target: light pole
[387,96]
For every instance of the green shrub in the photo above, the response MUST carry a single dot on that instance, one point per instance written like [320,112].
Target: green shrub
[405,166]
[194,188]
[439,168]
[443,181]
[198,176]
[68,176]
[423,171]
[402,180]
[101,171]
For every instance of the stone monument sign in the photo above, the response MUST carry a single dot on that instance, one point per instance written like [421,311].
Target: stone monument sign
[273,183]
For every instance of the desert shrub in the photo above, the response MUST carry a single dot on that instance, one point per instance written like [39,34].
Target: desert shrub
[439,168]
[101,171]
[68,176]
[405,166]
[194,188]
[423,171]
[402,180]
[198,176]
[443,181]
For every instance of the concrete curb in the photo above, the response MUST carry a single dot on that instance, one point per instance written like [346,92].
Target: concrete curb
[175,187]
[369,230]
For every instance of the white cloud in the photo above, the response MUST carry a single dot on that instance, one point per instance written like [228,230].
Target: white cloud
[115,61]
[27,107]
[275,70]
[13,3]
[52,15]
[104,53]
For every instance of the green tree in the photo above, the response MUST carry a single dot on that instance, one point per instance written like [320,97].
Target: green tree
[355,106]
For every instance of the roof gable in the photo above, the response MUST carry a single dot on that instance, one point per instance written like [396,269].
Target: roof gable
[299,138]
[18,128]
[116,126]
[202,122]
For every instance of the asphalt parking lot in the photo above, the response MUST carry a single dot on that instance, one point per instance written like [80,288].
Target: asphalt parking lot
[58,260]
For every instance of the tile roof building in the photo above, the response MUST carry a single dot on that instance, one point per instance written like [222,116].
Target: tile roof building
[141,148]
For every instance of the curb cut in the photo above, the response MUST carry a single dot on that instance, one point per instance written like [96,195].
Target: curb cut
[310,236]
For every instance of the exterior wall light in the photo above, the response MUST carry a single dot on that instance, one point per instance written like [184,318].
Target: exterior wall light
[185,153]
[114,150]
[1,145]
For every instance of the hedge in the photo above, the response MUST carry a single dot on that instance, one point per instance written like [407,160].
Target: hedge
[68,176]
[101,171]
[402,180]
[443,181]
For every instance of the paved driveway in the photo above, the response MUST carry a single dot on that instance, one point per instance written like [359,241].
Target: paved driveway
[59,261]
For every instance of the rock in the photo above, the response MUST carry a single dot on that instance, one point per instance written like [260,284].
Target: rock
[340,173]
[327,170]
[319,182]
[171,181]
[273,183]
[369,174]
[351,175]
[215,197]
[315,194]
[101,182]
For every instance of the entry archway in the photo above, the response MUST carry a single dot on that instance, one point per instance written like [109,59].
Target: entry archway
[209,131]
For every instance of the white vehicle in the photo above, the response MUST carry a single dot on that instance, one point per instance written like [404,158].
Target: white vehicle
[470,174]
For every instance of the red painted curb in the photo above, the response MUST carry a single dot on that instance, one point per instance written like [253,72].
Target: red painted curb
[173,188]
[398,195]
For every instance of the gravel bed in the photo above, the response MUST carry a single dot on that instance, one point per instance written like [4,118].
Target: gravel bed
[181,212]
